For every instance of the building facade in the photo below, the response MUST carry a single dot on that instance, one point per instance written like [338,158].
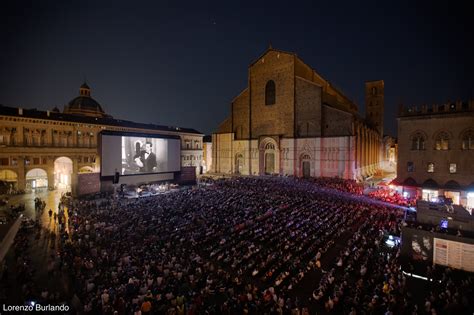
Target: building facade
[389,154]
[50,148]
[207,153]
[291,121]
[436,151]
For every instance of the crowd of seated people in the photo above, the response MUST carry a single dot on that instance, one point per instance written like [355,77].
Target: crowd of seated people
[238,246]
[391,196]
[347,185]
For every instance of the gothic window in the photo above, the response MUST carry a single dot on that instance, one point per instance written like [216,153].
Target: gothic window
[269,146]
[418,141]
[468,140]
[442,141]
[270,93]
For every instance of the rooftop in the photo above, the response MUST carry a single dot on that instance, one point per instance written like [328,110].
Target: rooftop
[109,121]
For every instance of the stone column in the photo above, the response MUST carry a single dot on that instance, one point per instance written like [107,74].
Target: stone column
[50,171]
[362,152]
[366,151]
[49,137]
[20,139]
[21,173]
[74,181]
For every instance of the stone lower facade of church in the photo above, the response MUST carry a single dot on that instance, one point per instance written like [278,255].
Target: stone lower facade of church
[290,121]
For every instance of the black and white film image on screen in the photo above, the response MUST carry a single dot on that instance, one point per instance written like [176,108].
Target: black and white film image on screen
[144,155]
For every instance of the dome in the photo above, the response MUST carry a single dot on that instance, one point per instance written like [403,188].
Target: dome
[84,104]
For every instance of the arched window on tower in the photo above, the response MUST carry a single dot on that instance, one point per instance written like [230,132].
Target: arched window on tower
[468,140]
[418,141]
[270,93]
[442,141]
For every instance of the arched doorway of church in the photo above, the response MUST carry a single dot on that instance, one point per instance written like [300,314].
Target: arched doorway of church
[269,163]
[8,181]
[239,163]
[62,173]
[269,158]
[306,165]
[36,179]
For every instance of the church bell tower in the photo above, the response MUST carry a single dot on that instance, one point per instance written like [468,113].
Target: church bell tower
[374,105]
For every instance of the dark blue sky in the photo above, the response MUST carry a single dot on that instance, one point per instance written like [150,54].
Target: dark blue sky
[181,63]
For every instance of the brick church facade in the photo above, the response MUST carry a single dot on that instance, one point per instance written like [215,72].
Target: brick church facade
[291,121]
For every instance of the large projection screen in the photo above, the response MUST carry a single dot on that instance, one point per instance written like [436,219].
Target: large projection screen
[137,154]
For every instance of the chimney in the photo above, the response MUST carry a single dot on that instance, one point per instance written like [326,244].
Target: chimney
[20,111]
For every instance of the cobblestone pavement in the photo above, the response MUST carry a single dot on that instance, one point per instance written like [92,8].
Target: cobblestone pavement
[36,267]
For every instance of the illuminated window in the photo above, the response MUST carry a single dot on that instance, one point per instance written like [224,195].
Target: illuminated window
[468,140]
[410,167]
[270,93]
[418,141]
[452,168]
[442,141]
[430,167]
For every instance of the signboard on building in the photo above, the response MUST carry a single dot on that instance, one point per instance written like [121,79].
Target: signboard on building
[453,254]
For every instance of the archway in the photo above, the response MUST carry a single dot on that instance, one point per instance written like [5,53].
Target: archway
[306,165]
[62,173]
[36,178]
[239,163]
[269,163]
[8,181]
[268,156]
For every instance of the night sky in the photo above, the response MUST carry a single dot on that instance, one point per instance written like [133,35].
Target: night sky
[180,64]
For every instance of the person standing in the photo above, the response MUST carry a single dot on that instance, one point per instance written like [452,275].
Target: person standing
[147,159]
